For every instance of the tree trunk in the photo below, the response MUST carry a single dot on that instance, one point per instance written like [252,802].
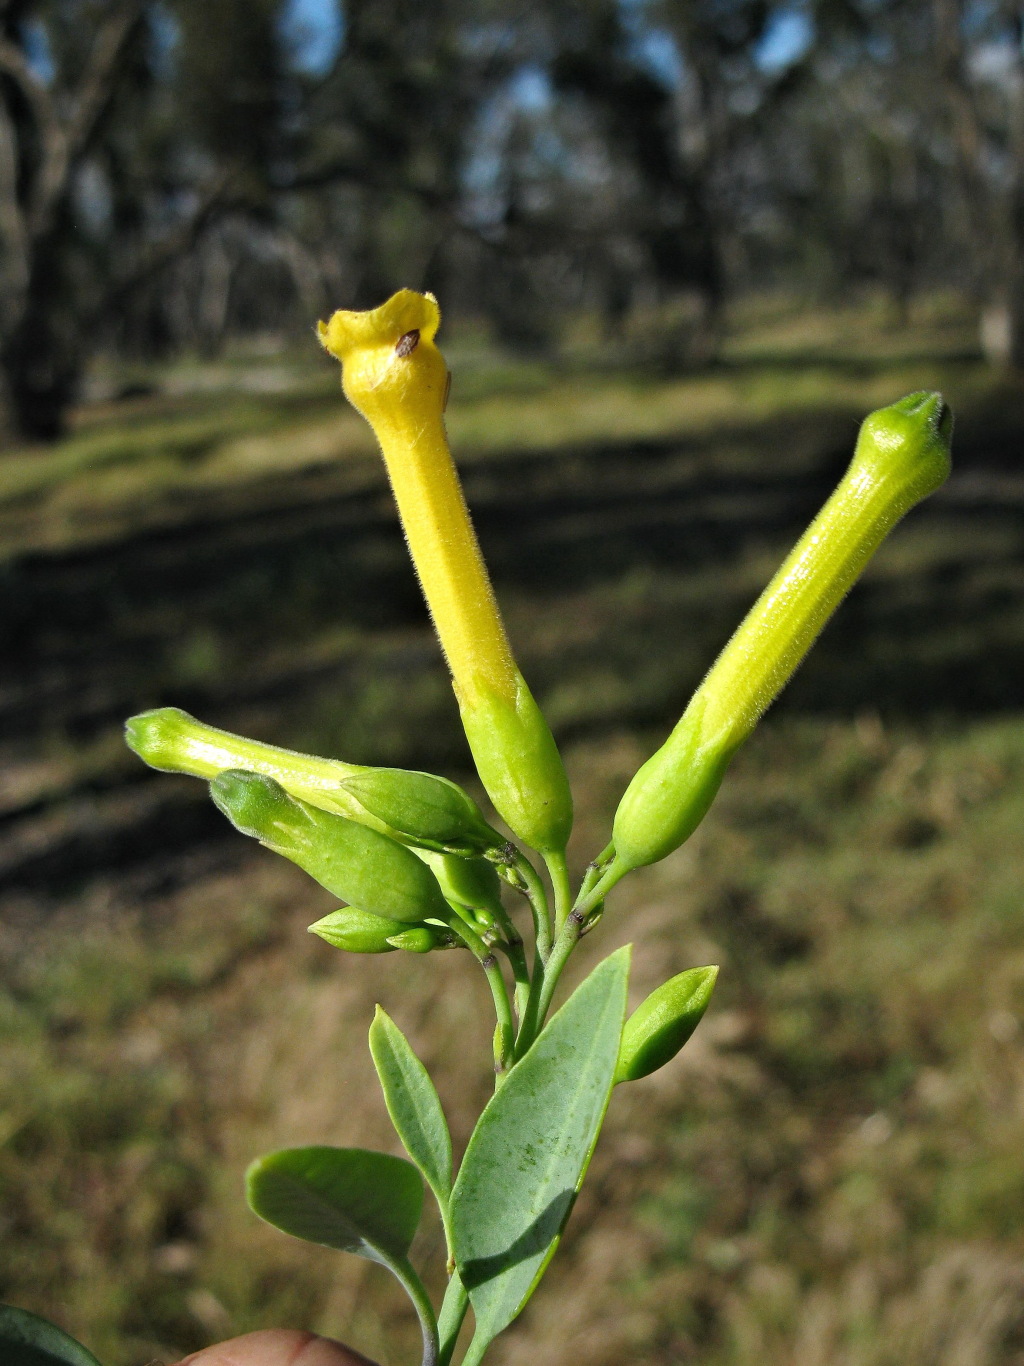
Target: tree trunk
[41,372]
[42,355]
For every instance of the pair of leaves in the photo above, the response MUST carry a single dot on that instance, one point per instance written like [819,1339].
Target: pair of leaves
[27,1340]
[523,1167]
[364,1202]
[529,1151]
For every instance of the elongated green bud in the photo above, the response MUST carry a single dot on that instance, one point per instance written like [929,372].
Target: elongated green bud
[902,455]
[357,931]
[427,811]
[172,740]
[356,863]
[519,764]
[468,884]
[658,1028]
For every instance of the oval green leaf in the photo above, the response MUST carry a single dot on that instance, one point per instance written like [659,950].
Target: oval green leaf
[28,1340]
[351,1199]
[348,1198]
[530,1149]
[413,1105]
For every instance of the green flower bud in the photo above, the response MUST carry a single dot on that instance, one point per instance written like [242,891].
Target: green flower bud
[468,884]
[658,1028]
[519,765]
[424,938]
[356,863]
[425,810]
[171,740]
[902,455]
[357,931]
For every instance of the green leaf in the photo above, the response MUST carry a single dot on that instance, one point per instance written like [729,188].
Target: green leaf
[530,1149]
[413,1105]
[27,1340]
[348,1198]
[351,1199]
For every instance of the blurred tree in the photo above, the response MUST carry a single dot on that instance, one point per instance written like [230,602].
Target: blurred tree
[979,59]
[123,129]
[172,171]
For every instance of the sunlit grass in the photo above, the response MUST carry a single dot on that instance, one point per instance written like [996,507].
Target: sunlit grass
[848,1117]
[194,437]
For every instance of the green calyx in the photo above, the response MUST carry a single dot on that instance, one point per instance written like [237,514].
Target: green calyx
[357,931]
[427,811]
[520,767]
[658,1028]
[468,884]
[902,455]
[355,863]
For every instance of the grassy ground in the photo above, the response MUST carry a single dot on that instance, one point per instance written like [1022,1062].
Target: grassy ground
[831,1172]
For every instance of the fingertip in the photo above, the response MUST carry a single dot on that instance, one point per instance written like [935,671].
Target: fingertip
[277,1347]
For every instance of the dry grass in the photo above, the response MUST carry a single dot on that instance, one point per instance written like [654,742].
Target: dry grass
[830,1173]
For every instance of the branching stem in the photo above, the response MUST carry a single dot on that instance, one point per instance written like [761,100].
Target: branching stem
[505,1035]
[533,889]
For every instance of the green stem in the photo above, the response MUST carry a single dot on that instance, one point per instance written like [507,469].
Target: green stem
[413,1287]
[538,899]
[595,871]
[451,1318]
[505,1036]
[564,945]
[516,955]
[559,875]
[592,896]
[601,877]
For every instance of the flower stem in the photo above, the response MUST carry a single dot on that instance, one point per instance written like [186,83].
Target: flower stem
[413,1287]
[451,1318]
[505,1035]
[559,875]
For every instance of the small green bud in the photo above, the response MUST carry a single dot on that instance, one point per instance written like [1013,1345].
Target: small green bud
[658,1028]
[357,931]
[358,864]
[468,884]
[519,765]
[427,811]
[902,455]
[423,938]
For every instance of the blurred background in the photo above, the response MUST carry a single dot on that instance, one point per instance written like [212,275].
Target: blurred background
[682,247]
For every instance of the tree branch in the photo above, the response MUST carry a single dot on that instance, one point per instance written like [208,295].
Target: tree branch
[167,249]
[97,85]
[94,95]
[13,238]
[14,65]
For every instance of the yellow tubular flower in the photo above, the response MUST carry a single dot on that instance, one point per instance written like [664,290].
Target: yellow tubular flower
[394,375]
[902,455]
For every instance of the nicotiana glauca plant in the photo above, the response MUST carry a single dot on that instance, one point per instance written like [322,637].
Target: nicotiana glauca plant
[420,867]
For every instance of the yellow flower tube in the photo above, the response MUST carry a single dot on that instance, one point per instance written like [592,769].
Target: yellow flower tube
[902,455]
[394,375]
